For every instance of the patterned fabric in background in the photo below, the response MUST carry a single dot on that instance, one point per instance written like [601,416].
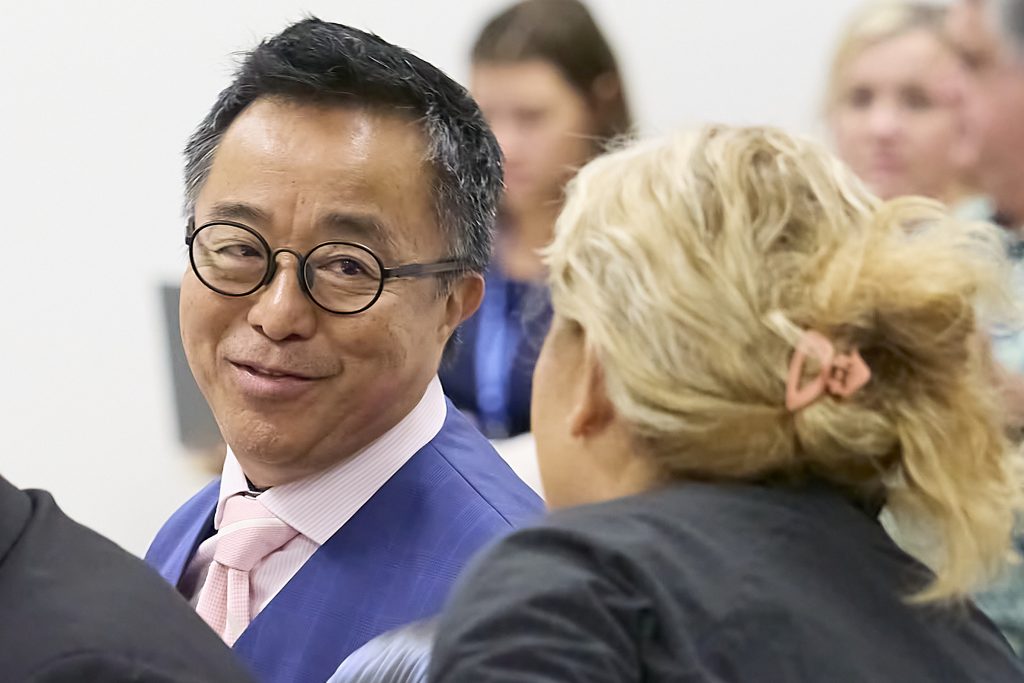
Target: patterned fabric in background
[1003,601]
[1008,337]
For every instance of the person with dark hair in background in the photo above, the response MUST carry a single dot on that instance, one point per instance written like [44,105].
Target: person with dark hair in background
[989,35]
[341,196]
[74,607]
[549,85]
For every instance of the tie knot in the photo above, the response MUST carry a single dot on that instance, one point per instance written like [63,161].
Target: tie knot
[248,533]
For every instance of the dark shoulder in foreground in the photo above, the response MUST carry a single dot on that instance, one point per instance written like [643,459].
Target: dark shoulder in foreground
[704,582]
[75,607]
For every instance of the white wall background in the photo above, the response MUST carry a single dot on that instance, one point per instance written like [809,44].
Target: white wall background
[98,98]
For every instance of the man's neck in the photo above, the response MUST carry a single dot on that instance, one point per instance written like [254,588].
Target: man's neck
[255,490]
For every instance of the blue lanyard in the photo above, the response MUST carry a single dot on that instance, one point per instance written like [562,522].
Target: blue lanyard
[497,340]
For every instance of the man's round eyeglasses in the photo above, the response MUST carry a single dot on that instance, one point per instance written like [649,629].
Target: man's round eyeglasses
[340,277]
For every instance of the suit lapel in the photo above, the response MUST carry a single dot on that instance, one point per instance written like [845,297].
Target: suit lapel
[394,562]
[178,541]
[376,573]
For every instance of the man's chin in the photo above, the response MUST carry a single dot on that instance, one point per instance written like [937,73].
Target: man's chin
[273,463]
[268,440]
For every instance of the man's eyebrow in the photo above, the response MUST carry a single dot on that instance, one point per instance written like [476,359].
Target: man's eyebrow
[346,226]
[360,227]
[238,211]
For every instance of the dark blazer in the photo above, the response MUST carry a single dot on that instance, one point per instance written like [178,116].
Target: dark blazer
[75,607]
[707,583]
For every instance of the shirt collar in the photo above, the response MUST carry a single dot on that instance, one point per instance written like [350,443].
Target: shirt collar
[320,504]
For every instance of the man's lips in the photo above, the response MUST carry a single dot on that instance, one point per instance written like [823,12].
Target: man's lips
[271,371]
[262,382]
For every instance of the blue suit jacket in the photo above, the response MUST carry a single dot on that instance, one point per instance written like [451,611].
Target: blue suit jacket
[392,563]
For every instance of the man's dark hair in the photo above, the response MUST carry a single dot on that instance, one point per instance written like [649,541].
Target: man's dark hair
[320,62]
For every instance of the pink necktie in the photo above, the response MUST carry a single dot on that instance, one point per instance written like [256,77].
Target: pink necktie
[248,533]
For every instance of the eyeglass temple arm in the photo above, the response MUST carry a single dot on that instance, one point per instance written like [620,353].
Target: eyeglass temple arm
[423,269]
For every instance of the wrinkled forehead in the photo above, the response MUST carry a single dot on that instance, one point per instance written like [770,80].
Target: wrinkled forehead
[321,171]
[317,137]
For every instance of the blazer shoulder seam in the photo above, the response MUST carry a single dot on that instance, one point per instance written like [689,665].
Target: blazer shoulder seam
[472,486]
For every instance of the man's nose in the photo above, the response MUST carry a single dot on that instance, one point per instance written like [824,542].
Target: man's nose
[282,309]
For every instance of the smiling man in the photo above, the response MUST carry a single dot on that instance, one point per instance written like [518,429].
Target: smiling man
[341,197]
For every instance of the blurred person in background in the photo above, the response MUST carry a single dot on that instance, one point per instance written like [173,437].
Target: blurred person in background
[894,103]
[550,88]
[340,199]
[989,35]
[793,361]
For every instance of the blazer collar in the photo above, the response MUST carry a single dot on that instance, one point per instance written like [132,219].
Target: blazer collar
[15,511]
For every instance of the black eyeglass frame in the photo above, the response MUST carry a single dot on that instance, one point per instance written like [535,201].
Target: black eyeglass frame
[409,270]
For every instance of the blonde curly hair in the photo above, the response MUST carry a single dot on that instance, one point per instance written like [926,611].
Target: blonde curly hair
[693,263]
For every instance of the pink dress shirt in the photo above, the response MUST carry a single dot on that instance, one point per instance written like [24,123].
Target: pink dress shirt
[320,504]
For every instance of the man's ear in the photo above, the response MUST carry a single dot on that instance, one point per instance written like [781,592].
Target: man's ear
[461,302]
[592,411]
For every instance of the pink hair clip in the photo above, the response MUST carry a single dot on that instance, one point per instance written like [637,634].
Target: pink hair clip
[841,375]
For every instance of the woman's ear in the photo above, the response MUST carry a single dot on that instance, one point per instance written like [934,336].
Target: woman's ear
[604,92]
[606,89]
[592,411]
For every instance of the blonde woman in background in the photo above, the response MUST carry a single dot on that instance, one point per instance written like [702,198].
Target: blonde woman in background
[894,103]
[751,354]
